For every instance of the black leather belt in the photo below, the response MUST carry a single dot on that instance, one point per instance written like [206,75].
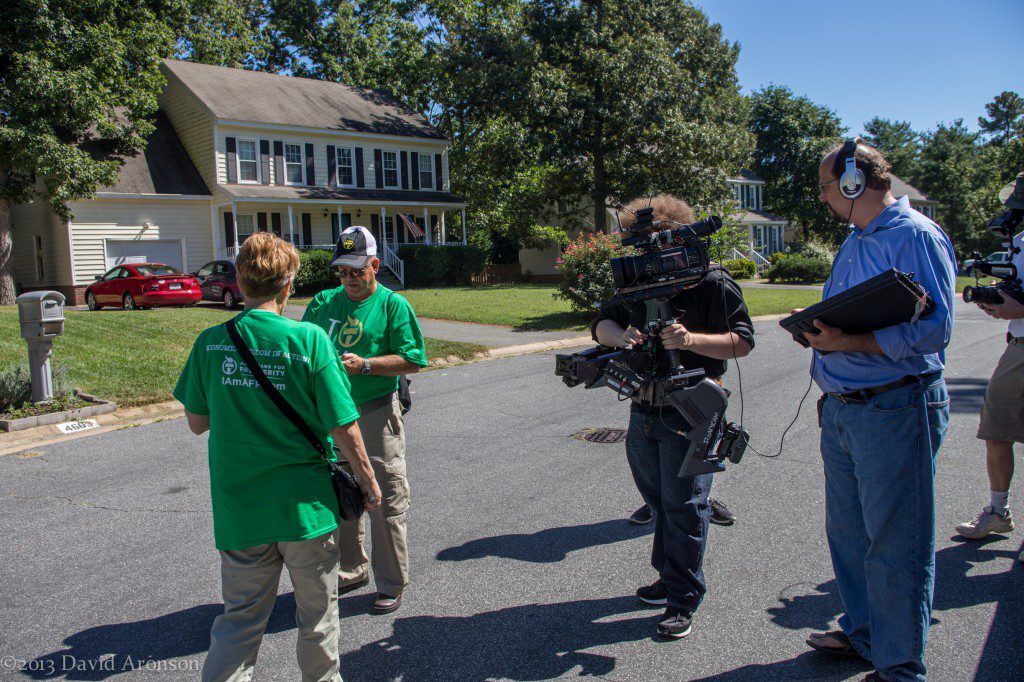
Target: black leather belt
[861,396]
[376,403]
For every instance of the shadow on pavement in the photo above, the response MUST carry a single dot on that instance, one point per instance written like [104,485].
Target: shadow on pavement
[955,588]
[807,666]
[120,646]
[966,394]
[546,546]
[532,642]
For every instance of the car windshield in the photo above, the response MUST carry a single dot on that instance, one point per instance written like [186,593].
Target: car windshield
[157,270]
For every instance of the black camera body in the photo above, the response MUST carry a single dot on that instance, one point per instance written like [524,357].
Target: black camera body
[660,273]
[1005,225]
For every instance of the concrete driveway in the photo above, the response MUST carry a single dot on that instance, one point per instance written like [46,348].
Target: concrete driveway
[523,565]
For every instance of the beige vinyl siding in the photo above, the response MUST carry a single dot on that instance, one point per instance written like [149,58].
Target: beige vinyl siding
[320,142]
[194,126]
[539,261]
[37,218]
[123,219]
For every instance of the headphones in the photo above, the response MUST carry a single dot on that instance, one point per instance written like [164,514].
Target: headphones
[852,182]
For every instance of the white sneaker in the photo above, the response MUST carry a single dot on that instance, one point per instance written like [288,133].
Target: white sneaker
[985,523]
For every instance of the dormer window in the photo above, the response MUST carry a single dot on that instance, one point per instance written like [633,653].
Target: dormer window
[248,167]
[390,164]
[293,164]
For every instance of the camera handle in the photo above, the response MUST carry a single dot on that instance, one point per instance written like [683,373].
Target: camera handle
[667,318]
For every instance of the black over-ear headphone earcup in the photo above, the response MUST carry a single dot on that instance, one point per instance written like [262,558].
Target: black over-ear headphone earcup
[852,181]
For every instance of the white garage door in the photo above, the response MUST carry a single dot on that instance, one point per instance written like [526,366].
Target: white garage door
[148,251]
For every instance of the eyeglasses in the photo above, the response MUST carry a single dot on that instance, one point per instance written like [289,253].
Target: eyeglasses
[823,185]
[350,272]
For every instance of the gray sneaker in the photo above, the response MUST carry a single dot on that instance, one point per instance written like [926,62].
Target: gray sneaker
[986,523]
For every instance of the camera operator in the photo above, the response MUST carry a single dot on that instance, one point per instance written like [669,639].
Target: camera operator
[883,415]
[712,325]
[1002,418]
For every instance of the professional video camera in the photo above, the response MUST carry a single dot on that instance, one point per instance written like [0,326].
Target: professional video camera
[661,274]
[1005,225]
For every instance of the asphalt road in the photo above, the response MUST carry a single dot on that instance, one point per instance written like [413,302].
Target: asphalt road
[523,565]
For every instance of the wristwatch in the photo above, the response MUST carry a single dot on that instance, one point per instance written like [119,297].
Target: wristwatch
[366,367]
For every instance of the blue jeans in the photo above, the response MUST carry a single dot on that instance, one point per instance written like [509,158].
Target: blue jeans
[880,519]
[680,505]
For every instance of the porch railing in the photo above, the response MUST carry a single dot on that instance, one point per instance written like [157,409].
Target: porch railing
[760,261]
[393,263]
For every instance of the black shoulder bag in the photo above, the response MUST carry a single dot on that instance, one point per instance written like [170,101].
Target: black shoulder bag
[350,497]
[404,394]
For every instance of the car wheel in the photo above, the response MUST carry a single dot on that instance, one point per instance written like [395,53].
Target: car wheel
[229,299]
[90,300]
[129,303]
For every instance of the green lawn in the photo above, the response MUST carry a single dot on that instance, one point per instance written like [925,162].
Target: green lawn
[135,357]
[531,307]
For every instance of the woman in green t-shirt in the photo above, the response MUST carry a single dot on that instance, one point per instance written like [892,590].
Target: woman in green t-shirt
[273,501]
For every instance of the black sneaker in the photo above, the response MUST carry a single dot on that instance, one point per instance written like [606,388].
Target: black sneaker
[720,514]
[675,624]
[655,594]
[641,516]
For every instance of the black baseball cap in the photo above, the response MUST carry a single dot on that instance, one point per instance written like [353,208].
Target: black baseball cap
[355,248]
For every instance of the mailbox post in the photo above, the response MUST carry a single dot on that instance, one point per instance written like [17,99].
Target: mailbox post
[41,316]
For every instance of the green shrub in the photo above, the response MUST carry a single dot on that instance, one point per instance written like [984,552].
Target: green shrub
[315,272]
[793,267]
[814,249]
[427,265]
[740,268]
[16,385]
[586,270]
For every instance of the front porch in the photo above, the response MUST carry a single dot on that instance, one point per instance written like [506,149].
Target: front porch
[316,224]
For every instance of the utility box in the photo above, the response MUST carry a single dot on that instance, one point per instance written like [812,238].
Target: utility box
[41,317]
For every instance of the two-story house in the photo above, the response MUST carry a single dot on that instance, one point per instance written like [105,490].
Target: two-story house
[238,151]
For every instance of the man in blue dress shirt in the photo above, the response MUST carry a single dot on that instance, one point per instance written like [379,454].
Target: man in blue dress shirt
[883,417]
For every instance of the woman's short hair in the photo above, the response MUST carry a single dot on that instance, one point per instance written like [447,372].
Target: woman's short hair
[666,207]
[265,265]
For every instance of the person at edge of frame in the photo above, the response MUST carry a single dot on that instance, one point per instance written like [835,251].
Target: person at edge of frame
[879,389]
[712,325]
[1002,416]
[376,333]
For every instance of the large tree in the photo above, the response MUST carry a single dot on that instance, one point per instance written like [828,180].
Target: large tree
[71,70]
[900,143]
[630,98]
[792,134]
[1005,120]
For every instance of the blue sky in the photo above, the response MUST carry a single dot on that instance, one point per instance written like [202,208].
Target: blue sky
[912,60]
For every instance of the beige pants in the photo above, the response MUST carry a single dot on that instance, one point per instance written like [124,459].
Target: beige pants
[249,580]
[1002,417]
[384,437]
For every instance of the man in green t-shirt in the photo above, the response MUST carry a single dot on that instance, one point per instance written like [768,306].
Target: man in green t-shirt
[379,339]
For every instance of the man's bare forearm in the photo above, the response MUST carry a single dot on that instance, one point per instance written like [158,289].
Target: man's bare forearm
[349,440]
[392,366]
[718,346]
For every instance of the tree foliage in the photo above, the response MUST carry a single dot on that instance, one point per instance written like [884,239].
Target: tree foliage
[792,134]
[900,143]
[1005,119]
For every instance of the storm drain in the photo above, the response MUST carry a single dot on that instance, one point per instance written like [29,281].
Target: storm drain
[601,435]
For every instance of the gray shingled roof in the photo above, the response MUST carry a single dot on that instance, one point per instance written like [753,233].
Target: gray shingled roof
[900,188]
[255,96]
[749,176]
[754,217]
[163,167]
[339,194]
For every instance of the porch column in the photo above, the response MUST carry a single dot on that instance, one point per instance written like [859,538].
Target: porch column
[341,228]
[426,224]
[384,225]
[291,225]
[443,240]
[234,218]
[463,227]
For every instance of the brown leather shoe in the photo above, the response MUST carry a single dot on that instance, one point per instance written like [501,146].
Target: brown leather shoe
[386,604]
[351,587]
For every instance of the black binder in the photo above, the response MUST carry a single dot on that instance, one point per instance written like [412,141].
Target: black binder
[890,298]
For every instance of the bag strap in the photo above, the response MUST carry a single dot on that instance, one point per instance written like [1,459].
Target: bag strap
[272,392]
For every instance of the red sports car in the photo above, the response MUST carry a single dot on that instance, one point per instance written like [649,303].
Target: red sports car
[142,285]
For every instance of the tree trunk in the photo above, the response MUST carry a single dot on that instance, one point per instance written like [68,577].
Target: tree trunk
[7,291]
[600,195]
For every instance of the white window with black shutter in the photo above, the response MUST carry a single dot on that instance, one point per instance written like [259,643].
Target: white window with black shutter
[248,164]
[426,171]
[389,163]
[293,164]
[346,166]
[245,224]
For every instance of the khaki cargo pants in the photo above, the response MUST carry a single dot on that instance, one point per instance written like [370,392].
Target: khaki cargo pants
[384,436]
[249,580]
